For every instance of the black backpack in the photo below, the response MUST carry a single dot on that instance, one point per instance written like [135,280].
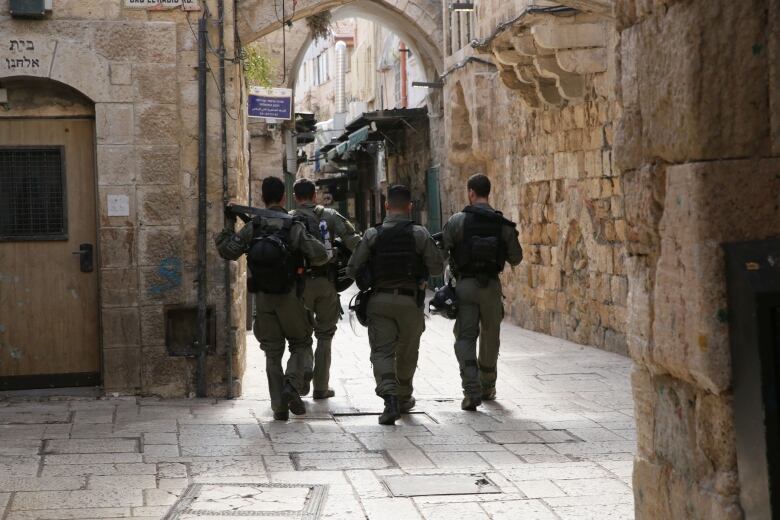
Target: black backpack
[273,267]
[482,251]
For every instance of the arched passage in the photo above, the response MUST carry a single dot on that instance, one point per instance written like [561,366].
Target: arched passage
[418,23]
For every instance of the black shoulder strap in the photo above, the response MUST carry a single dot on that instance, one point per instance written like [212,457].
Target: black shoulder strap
[493,215]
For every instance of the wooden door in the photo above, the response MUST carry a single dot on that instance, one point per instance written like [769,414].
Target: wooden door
[48,290]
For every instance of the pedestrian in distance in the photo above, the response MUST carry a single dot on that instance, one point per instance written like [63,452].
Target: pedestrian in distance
[278,249]
[320,295]
[395,260]
[479,241]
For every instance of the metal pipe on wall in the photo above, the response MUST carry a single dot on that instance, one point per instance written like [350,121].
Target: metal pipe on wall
[229,335]
[404,77]
[202,339]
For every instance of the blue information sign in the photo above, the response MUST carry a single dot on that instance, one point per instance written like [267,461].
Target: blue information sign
[270,103]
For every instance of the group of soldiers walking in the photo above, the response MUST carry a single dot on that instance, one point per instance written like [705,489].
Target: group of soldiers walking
[292,261]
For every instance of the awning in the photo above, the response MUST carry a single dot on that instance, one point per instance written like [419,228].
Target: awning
[350,143]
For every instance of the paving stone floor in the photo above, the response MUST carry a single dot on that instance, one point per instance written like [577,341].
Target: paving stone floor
[557,444]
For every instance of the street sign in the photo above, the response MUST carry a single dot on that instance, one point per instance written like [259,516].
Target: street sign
[154,5]
[270,103]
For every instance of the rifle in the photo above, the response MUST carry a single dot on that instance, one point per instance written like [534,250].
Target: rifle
[245,213]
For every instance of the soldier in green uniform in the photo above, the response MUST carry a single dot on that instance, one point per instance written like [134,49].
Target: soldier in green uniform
[479,242]
[278,247]
[320,295]
[398,257]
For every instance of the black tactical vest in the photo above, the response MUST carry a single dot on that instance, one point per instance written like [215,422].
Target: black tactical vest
[273,267]
[394,257]
[482,251]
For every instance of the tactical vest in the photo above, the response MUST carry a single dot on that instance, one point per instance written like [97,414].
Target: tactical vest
[273,267]
[394,258]
[482,251]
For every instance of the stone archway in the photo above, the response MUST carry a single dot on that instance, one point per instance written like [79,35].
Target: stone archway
[257,18]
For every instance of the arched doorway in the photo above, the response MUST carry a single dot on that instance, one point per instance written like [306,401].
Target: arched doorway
[49,335]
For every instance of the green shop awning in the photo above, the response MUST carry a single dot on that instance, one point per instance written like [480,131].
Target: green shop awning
[350,144]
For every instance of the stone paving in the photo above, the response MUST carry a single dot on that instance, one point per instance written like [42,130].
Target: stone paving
[557,444]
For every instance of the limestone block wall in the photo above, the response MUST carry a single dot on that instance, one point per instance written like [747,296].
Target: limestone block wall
[697,150]
[139,69]
[552,169]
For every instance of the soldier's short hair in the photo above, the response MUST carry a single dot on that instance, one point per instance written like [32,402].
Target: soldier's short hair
[272,190]
[480,184]
[304,189]
[398,196]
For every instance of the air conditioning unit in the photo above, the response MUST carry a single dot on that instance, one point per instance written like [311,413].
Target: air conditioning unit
[30,8]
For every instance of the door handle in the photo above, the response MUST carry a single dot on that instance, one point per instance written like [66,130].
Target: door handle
[86,257]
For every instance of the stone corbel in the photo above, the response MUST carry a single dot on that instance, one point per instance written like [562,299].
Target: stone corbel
[549,60]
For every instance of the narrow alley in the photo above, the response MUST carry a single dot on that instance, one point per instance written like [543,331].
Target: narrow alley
[558,443]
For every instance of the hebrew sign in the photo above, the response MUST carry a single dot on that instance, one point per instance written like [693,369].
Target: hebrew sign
[25,56]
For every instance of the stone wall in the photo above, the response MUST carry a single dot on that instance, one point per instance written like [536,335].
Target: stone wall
[697,152]
[139,67]
[551,164]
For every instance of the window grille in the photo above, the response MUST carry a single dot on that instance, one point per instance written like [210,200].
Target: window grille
[32,194]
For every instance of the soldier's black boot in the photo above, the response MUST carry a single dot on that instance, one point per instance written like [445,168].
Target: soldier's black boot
[281,415]
[307,377]
[324,394]
[391,412]
[470,403]
[489,394]
[407,404]
[293,399]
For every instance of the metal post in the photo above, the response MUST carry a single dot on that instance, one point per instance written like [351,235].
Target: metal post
[225,199]
[202,340]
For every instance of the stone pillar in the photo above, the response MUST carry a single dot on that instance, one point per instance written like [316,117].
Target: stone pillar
[694,151]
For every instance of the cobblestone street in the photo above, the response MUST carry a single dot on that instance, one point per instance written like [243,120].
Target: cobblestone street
[557,444]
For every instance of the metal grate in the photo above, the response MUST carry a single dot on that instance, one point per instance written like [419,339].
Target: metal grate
[32,194]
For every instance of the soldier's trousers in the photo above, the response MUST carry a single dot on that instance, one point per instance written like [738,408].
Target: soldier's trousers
[395,324]
[283,318]
[480,311]
[320,297]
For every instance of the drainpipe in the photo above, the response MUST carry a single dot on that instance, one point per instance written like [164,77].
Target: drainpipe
[201,343]
[404,85]
[291,153]
[341,78]
[229,336]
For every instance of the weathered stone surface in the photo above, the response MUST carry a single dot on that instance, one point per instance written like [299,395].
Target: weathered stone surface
[121,327]
[114,123]
[158,164]
[684,58]
[153,83]
[148,42]
[117,247]
[158,245]
[119,287]
[116,165]
[156,124]
[159,205]
[122,371]
[702,211]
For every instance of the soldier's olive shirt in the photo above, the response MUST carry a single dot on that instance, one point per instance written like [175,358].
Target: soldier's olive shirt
[300,240]
[452,236]
[424,246]
[338,226]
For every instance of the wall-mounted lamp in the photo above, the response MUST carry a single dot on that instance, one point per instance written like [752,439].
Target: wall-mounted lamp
[427,84]
[461,6]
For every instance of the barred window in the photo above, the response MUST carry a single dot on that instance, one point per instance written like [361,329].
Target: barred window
[32,194]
